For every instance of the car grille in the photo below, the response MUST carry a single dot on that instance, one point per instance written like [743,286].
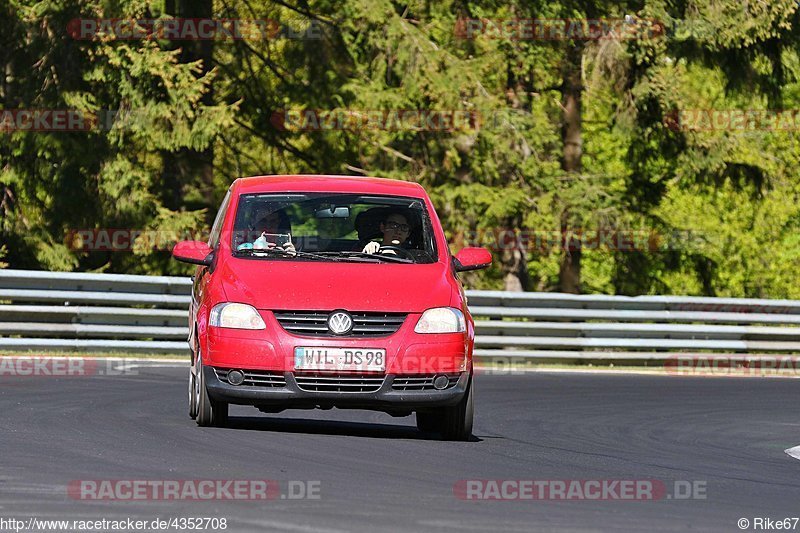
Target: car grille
[315,323]
[255,378]
[420,382]
[339,382]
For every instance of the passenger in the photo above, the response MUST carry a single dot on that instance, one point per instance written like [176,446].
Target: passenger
[270,223]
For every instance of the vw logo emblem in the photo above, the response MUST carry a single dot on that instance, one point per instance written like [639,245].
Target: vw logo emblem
[340,323]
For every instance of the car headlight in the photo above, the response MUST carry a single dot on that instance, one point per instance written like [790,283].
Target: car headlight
[238,316]
[441,320]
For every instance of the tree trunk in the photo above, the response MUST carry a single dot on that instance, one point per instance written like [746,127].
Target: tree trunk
[511,249]
[569,275]
[513,258]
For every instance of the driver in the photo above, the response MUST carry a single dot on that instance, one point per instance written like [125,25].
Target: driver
[395,229]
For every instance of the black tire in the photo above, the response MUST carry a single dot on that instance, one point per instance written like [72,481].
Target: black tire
[428,422]
[456,421]
[192,395]
[209,412]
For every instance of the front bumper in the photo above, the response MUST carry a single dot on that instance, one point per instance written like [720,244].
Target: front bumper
[407,352]
[291,395]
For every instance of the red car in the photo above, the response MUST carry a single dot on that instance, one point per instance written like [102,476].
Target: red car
[331,291]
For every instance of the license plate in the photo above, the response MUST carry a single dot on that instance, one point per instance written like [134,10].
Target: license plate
[361,359]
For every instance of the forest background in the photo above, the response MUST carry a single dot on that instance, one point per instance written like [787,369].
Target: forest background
[643,147]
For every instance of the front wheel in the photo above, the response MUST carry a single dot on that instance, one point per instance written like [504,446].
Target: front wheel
[456,421]
[209,412]
[192,394]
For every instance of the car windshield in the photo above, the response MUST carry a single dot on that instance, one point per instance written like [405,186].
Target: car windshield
[333,227]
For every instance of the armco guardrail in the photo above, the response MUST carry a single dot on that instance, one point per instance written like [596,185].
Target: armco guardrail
[53,311]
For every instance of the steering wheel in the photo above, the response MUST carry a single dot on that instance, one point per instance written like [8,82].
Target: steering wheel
[402,253]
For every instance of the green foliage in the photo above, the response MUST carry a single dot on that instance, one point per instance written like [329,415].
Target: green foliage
[725,200]
[149,105]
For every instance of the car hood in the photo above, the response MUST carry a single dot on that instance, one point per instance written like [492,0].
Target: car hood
[324,286]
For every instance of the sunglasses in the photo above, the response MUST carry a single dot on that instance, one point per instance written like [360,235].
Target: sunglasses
[396,226]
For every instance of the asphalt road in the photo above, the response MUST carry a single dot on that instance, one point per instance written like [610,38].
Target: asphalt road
[726,436]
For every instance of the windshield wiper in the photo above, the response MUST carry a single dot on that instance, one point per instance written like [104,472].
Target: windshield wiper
[364,255]
[281,252]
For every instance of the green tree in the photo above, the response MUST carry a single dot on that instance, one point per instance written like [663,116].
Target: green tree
[112,176]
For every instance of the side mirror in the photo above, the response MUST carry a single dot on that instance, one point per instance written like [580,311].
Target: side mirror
[194,252]
[472,259]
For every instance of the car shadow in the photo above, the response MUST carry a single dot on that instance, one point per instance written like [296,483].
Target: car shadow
[311,426]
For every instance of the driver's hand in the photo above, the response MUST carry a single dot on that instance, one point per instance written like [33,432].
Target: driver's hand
[289,247]
[371,248]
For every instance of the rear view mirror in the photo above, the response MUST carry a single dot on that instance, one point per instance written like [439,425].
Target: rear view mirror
[333,212]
